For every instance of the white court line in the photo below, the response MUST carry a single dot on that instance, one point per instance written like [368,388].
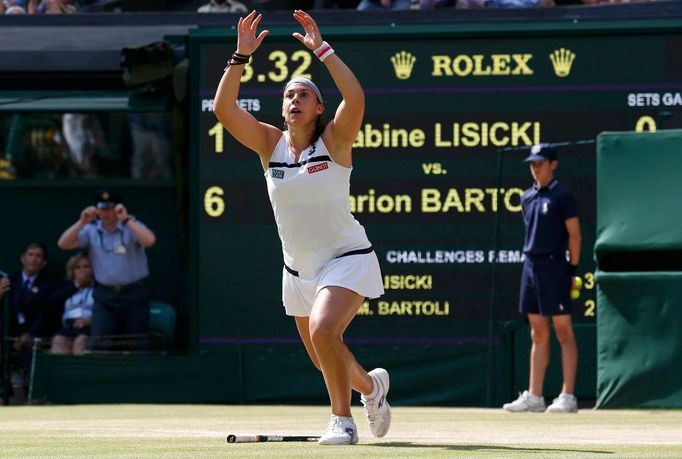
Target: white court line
[208,433]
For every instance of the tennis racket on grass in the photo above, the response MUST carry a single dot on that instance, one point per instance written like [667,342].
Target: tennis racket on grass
[264,438]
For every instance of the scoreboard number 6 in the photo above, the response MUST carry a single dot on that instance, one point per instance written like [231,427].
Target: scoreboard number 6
[214,204]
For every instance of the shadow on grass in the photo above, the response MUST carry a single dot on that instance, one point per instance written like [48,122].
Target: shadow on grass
[486,447]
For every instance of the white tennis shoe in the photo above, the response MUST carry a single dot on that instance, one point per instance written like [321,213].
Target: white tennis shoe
[341,430]
[526,403]
[564,403]
[377,410]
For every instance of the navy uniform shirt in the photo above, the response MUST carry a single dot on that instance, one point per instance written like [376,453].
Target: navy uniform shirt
[545,212]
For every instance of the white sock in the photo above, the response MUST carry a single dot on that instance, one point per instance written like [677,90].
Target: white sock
[375,390]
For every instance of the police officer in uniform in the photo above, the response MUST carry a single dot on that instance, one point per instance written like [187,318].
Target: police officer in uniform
[116,243]
[552,229]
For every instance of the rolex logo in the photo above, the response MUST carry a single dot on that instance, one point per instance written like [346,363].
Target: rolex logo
[402,64]
[562,59]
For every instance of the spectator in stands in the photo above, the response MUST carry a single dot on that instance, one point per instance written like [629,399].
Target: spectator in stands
[223,6]
[6,4]
[367,5]
[502,4]
[84,137]
[57,7]
[338,4]
[13,10]
[550,216]
[74,302]
[435,4]
[28,314]
[116,243]
[19,6]
[4,287]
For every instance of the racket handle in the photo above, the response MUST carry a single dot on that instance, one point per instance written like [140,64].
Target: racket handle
[243,438]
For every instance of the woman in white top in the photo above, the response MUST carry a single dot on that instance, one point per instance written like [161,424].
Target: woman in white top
[74,300]
[329,264]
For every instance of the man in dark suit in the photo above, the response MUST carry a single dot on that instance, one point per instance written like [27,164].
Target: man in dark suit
[28,314]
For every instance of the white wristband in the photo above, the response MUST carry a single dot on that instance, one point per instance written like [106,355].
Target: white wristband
[324,51]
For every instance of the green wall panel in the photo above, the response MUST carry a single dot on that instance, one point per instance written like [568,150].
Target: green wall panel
[638,182]
[639,352]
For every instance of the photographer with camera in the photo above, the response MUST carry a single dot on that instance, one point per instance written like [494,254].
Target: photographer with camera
[116,242]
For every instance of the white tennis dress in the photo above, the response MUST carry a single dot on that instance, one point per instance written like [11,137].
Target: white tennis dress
[322,243]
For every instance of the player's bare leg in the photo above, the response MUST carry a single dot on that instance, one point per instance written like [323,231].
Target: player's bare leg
[373,388]
[539,352]
[332,312]
[360,381]
[569,351]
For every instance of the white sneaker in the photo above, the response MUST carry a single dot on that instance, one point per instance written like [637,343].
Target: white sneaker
[377,410]
[564,403]
[341,430]
[526,402]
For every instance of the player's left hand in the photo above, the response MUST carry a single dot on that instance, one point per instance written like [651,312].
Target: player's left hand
[313,38]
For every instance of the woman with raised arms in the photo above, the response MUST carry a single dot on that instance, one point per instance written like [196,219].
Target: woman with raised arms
[329,264]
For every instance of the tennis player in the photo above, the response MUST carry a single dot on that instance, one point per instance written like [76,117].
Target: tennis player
[329,264]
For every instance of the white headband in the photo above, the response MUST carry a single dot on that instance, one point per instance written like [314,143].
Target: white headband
[308,83]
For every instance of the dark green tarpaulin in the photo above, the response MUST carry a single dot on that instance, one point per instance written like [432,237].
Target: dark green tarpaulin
[639,332]
[639,255]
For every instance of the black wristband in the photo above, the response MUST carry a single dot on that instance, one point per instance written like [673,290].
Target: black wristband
[574,269]
[237,59]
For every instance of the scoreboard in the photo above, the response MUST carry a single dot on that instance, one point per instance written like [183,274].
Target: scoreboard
[437,165]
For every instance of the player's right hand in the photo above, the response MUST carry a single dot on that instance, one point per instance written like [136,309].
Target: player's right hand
[247,41]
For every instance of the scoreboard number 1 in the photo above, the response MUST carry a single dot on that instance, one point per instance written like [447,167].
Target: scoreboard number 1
[217,131]
[214,204]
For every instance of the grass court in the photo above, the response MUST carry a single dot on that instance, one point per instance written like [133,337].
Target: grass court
[196,431]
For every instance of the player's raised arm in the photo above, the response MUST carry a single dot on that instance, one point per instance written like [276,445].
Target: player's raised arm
[243,126]
[341,131]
